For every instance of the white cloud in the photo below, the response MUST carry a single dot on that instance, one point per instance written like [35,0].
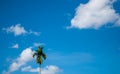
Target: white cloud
[5,72]
[95,14]
[38,44]
[19,30]
[15,46]
[29,69]
[118,22]
[21,62]
[24,57]
[35,33]
[51,69]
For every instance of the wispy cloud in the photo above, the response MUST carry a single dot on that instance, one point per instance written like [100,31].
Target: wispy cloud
[51,69]
[15,46]
[38,44]
[118,22]
[19,30]
[24,57]
[95,14]
[29,69]
[35,33]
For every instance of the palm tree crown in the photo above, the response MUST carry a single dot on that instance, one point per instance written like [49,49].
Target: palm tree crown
[39,55]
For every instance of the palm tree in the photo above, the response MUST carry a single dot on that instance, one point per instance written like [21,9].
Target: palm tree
[39,56]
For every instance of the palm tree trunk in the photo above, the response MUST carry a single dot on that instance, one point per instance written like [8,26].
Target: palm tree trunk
[40,69]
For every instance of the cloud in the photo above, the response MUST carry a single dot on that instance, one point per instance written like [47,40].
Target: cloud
[5,72]
[118,22]
[19,30]
[38,44]
[29,69]
[95,14]
[35,33]
[15,46]
[20,63]
[24,57]
[51,69]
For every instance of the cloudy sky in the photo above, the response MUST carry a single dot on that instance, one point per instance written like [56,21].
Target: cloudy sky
[79,36]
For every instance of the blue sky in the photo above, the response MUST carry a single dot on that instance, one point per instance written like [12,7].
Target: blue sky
[79,36]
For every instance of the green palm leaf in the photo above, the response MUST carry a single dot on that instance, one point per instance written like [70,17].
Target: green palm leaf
[40,55]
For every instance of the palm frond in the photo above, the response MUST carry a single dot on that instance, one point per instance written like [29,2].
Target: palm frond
[40,47]
[44,55]
[34,54]
[39,55]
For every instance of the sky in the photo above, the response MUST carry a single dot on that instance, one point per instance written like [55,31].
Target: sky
[79,36]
